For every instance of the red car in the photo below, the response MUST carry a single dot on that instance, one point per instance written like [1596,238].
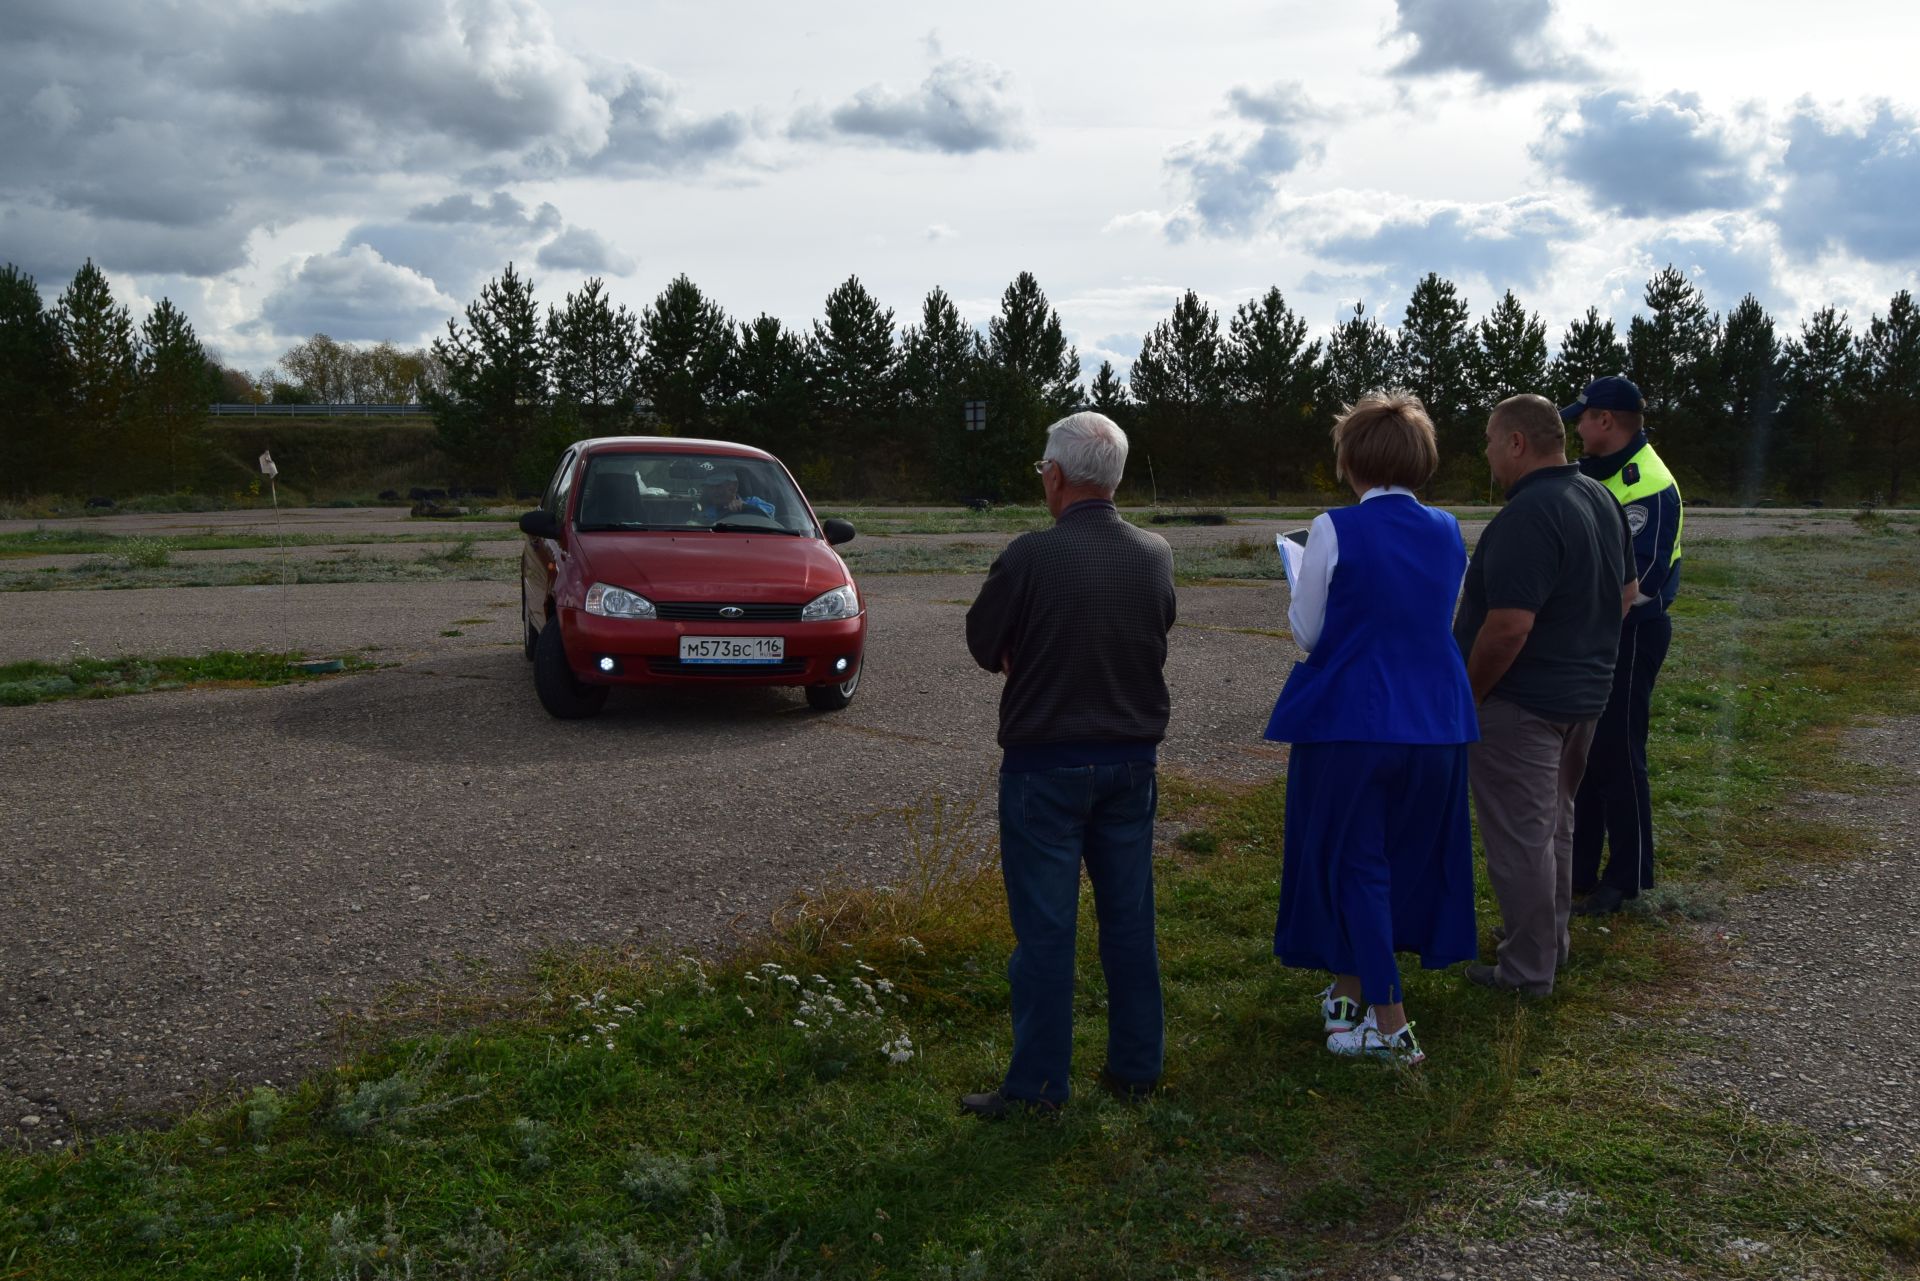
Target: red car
[656,560]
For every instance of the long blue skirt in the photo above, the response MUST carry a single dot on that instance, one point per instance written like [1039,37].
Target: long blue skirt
[1379,860]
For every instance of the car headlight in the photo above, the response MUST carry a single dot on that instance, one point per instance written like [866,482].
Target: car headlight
[618,602]
[841,602]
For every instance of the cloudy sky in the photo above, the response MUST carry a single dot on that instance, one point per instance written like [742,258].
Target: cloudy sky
[360,168]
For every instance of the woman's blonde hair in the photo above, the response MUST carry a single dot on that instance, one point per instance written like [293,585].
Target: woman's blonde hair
[1386,439]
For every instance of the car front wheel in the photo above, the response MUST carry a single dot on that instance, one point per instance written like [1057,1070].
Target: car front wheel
[560,692]
[832,698]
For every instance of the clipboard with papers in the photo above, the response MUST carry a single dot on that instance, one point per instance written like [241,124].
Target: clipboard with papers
[1292,546]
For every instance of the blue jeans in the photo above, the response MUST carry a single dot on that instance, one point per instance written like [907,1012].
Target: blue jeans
[1051,821]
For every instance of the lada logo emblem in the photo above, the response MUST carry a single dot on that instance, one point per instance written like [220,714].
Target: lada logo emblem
[732,611]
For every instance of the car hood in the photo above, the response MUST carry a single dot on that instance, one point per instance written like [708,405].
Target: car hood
[700,566]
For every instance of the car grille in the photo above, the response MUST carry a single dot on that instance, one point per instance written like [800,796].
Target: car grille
[674,667]
[703,612]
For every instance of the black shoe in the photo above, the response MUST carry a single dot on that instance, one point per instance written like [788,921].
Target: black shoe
[1127,1091]
[994,1106]
[1604,901]
[1489,976]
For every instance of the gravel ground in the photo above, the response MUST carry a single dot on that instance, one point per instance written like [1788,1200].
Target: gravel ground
[200,880]
[1815,1027]
[401,619]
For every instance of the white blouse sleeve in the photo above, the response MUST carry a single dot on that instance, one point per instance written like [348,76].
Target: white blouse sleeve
[1308,611]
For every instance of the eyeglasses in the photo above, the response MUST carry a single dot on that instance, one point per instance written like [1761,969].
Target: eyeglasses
[1040,468]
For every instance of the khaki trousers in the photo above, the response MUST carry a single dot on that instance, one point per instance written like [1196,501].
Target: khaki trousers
[1525,771]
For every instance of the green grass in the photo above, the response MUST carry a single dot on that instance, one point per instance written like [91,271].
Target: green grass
[34,682]
[716,1133]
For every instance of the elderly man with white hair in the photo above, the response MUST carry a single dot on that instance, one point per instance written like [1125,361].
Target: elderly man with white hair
[1076,617]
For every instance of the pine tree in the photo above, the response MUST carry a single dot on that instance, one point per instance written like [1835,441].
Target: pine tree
[1107,394]
[1029,375]
[769,380]
[1272,375]
[686,356]
[1437,359]
[1749,366]
[1512,353]
[853,368]
[1589,349]
[493,415]
[1180,381]
[1889,359]
[1821,391]
[1363,358]
[176,384]
[939,368]
[98,362]
[594,350]
[1670,357]
[1026,340]
[30,371]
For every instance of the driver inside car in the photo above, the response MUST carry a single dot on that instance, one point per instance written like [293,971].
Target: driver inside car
[720,497]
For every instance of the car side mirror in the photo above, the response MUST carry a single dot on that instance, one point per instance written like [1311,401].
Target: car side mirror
[539,523]
[838,531]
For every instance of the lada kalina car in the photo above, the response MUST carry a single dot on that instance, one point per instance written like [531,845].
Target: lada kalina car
[660,560]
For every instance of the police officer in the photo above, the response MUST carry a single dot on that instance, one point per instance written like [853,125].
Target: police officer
[1612,806]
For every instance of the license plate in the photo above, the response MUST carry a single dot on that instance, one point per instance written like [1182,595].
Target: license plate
[732,649]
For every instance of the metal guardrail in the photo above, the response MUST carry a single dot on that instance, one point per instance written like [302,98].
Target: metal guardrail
[317,411]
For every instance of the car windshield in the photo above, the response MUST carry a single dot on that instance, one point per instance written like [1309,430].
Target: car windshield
[639,490]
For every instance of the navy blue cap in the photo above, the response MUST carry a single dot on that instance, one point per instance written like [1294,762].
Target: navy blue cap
[1616,391]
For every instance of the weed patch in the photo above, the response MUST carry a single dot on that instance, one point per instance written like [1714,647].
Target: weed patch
[86,677]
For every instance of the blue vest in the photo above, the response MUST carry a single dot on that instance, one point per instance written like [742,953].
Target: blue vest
[1386,669]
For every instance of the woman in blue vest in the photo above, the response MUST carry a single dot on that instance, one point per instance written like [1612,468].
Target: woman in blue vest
[1379,848]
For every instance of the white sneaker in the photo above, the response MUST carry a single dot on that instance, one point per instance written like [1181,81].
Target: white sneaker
[1338,1013]
[1366,1040]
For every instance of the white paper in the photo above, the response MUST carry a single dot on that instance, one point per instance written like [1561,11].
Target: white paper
[1292,556]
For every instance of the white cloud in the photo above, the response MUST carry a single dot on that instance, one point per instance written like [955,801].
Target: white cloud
[1652,157]
[963,106]
[1501,43]
[355,295]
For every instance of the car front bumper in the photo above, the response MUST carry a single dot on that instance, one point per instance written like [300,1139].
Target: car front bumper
[647,651]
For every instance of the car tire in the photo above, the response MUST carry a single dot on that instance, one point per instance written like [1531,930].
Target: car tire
[834,698]
[561,693]
[529,639]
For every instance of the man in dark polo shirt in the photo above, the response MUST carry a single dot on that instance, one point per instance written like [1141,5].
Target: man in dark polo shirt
[1077,617]
[1539,623]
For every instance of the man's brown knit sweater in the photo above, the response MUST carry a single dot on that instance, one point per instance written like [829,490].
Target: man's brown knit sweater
[1080,612]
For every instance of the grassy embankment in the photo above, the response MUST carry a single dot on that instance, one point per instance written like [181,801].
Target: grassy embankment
[643,1111]
[35,682]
